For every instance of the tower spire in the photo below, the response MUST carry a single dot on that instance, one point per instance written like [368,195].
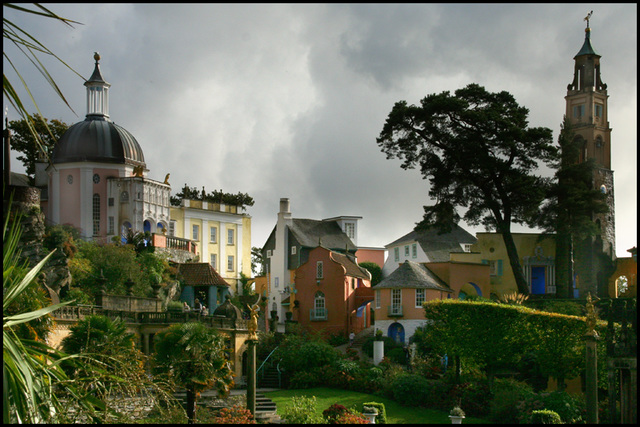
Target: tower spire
[97,93]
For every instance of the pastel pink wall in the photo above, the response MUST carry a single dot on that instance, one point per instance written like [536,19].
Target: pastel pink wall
[371,255]
[69,197]
[339,296]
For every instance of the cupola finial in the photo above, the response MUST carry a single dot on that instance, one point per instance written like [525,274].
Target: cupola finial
[587,19]
[96,56]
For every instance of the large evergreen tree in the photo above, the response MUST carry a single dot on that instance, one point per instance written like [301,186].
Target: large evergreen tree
[479,154]
[572,203]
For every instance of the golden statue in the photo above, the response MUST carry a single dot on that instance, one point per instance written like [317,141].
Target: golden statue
[137,171]
[166,179]
[592,317]
[252,326]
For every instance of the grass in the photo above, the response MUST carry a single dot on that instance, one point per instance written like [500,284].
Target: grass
[396,413]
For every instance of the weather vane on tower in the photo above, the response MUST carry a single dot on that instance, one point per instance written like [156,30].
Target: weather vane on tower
[588,17]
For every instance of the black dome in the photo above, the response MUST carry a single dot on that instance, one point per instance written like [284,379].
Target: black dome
[98,140]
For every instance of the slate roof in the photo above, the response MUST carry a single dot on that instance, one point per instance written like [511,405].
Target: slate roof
[311,232]
[438,246]
[353,269]
[413,275]
[200,274]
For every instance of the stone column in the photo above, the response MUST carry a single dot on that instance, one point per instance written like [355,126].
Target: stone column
[251,377]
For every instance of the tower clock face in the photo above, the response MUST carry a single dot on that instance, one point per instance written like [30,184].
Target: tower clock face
[96,178]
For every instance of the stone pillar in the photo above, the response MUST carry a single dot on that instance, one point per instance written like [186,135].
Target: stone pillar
[378,352]
[591,376]
[251,377]
[145,343]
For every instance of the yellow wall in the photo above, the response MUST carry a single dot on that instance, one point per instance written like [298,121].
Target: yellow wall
[490,247]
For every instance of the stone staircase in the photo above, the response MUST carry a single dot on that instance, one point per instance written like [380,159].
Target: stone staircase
[362,336]
[266,410]
[269,378]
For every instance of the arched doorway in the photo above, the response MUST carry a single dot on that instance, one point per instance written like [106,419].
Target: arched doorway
[396,332]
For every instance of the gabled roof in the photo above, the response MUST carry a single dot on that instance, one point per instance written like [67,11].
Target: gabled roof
[438,246]
[200,274]
[353,269]
[311,233]
[413,275]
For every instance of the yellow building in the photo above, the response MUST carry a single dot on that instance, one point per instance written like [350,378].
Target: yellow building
[537,259]
[221,233]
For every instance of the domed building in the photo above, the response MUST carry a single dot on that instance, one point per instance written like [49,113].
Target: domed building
[97,180]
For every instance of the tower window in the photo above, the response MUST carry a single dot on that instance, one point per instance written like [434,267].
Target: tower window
[578,111]
[598,110]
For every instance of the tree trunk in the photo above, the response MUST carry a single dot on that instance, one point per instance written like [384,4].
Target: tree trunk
[514,260]
[191,406]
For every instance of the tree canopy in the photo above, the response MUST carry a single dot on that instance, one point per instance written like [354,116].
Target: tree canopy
[478,153]
[216,196]
[24,142]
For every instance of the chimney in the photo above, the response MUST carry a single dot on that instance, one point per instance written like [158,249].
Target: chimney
[285,211]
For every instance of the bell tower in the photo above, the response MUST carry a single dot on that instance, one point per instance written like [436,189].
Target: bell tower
[587,109]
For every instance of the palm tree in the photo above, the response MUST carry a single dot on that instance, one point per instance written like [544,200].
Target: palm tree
[192,355]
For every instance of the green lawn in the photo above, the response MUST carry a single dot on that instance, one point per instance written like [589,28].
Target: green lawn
[396,413]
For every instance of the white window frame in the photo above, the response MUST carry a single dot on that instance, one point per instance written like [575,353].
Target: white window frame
[195,232]
[414,250]
[230,236]
[213,260]
[396,297]
[421,296]
[406,251]
[213,234]
[112,225]
[396,253]
[172,228]
[377,298]
[293,250]
[230,266]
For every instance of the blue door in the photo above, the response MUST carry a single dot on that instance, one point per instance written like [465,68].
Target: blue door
[537,280]
[396,332]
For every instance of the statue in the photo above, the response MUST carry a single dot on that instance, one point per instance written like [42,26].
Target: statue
[166,179]
[137,171]
[588,17]
[592,317]
[252,326]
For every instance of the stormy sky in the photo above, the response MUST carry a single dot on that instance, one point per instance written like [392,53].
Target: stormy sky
[286,100]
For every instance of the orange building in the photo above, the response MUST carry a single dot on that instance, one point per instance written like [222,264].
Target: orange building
[332,293]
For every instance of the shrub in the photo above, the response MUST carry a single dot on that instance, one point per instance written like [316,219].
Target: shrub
[545,417]
[337,339]
[428,367]
[410,390]
[298,353]
[234,415]
[301,411]
[475,397]
[333,412]
[397,355]
[174,306]
[568,407]
[507,394]
[381,418]
[304,379]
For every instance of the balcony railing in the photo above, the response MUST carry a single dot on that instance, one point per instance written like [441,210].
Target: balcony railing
[394,311]
[171,242]
[318,314]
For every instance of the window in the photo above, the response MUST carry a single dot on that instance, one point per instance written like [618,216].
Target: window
[96,214]
[213,235]
[213,260]
[350,229]
[406,251]
[230,263]
[396,302]
[598,110]
[230,237]
[319,312]
[172,228]
[396,254]
[124,196]
[466,247]
[377,298]
[495,267]
[111,201]
[353,283]
[319,271]
[276,282]
[414,250]
[578,111]
[112,225]
[269,253]
[196,232]
[293,250]
[420,297]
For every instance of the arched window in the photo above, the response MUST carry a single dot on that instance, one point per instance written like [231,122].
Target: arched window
[319,311]
[96,214]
